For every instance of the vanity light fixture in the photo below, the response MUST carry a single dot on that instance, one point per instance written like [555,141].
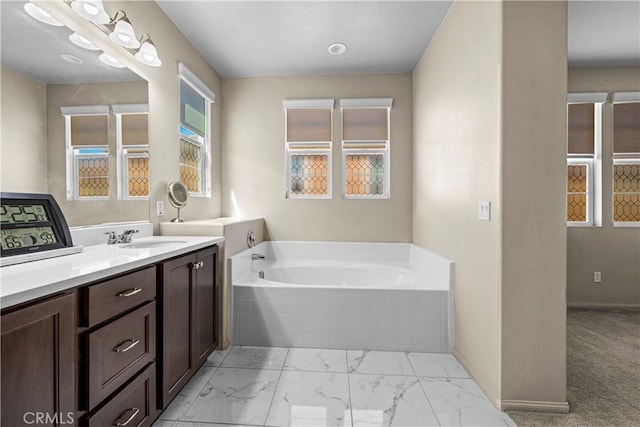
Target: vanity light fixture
[41,15]
[148,53]
[123,33]
[92,10]
[110,60]
[337,49]
[120,31]
[82,42]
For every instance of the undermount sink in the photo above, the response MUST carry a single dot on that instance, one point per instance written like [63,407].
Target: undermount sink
[153,244]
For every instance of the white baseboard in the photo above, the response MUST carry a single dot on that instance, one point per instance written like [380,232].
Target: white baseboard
[523,405]
[493,399]
[530,405]
[604,306]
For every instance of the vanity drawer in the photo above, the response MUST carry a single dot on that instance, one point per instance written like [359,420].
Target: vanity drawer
[110,298]
[134,406]
[119,350]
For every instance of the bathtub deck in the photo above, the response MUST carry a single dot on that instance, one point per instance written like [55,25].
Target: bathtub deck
[291,386]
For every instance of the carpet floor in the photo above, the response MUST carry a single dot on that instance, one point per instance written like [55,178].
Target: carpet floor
[603,372]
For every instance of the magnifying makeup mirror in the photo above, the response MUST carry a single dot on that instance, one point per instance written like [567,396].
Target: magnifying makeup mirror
[178,197]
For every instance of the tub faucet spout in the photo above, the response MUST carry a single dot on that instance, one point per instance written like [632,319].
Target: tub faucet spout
[256,256]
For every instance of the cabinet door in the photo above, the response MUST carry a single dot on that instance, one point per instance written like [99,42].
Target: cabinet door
[205,313]
[38,371]
[178,301]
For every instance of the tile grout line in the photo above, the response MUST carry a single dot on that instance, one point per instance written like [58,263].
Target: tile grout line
[205,384]
[276,386]
[423,392]
[198,394]
[346,355]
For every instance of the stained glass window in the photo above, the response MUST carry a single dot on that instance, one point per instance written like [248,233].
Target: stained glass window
[87,151]
[194,145]
[577,191]
[584,115]
[92,171]
[309,174]
[308,148]
[133,150]
[626,160]
[366,147]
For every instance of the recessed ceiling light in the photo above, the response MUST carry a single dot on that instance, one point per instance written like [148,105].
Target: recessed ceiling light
[41,15]
[70,58]
[337,48]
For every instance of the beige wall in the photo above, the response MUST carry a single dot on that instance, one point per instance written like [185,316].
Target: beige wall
[456,163]
[164,101]
[533,282]
[253,159]
[23,142]
[90,212]
[614,251]
[490,68]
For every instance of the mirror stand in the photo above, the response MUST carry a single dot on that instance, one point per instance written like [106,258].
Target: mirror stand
[177,219]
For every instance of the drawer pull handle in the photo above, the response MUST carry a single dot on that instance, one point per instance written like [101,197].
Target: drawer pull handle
[121,348]
[134,412]
[197,265]
[130,292]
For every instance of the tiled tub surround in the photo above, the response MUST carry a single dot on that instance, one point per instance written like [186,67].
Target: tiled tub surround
[323,387]
[356,296]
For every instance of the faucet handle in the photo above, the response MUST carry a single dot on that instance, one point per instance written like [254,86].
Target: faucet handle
[112,239]
[126,236]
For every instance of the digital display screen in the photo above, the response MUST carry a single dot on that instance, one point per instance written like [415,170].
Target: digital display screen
[14,238]
[22,214]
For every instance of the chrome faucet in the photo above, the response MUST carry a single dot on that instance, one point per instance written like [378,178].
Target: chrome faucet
[256,256]
[125,237]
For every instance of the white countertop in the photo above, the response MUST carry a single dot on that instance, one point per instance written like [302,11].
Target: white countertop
[23,282]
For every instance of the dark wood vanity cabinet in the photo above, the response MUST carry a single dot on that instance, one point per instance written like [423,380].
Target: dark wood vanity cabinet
[112,352]
[38,364]
[187,330]
[117,349]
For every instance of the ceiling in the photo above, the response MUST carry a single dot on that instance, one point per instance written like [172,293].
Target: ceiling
[604,33]
[279,38]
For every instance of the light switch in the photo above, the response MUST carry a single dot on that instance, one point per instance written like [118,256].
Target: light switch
[159,208]
[484,211]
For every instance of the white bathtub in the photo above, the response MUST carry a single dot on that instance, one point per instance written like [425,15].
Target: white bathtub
[365,296]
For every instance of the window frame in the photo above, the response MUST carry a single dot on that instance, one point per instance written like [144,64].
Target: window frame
[594,161]
[622,158]
[72,153]
[367,147]
[186,75]
[122,151]
[308,147]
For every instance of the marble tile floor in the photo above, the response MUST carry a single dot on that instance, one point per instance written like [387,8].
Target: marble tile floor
[269,386]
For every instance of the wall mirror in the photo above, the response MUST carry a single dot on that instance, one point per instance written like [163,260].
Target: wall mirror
[43,57]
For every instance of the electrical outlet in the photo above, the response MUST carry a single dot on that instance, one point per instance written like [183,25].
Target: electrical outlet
[159,208]
[484,211]
[597,277]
